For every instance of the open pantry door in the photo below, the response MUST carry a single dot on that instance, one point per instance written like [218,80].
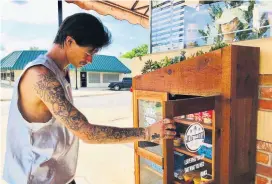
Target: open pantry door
[150,158]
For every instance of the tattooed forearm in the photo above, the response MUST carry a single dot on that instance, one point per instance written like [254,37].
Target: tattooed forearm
[106,134]
[51,92]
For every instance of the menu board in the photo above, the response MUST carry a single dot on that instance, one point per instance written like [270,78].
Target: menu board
[167,21]
[150,112]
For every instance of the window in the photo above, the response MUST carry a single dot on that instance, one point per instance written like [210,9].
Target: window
[12,76]
[2,76]
[94,77]
[110,78]
[125,79]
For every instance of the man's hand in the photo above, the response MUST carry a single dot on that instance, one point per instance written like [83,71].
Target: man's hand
[164,129]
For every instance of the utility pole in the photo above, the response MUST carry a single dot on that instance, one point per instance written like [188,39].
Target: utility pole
[60,11]
[60,21]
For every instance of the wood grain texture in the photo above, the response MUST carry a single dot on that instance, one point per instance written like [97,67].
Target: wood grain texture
[168,151]
[152,96]
[244,105]
[197,76]
[217,139]
[226,155]
[149,156]
[189,122]
[136,125]
[168,155]
[231,74]
[188,106]
[240,66]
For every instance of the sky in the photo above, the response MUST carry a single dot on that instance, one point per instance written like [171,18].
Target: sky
[34,23]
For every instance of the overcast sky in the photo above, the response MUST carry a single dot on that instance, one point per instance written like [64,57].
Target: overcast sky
[34,23]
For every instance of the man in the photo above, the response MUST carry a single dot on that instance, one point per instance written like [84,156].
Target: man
[44,126]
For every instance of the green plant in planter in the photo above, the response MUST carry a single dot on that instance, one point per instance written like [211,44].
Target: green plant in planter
[166,62]
[147,66]
[154,65]
[218,45]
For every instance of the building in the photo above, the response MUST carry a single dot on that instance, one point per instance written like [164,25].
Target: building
[102,71]
[13,64]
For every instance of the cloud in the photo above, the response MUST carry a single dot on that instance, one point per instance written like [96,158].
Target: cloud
[114,50]
[44,12]
[10,44]
[20,1]
[35,12]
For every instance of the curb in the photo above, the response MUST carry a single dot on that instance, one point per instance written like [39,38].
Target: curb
[103,94]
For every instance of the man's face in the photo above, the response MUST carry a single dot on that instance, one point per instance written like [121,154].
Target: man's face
[78,55]
[230,26]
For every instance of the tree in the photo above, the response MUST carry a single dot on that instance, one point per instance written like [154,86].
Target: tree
[136,52]
[34,48]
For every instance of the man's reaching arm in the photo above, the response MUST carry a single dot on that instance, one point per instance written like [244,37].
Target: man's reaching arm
[50,91]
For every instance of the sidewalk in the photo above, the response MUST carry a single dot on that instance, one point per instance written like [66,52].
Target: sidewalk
[7,90]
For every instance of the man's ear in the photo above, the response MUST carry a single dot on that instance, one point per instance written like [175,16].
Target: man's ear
[69,40]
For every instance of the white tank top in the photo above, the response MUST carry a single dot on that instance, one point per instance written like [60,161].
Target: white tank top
[39,153]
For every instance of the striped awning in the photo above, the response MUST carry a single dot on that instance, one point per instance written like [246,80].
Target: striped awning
[134,11]
[17,60]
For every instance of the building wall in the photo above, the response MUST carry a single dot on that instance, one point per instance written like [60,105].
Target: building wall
[128,64]
[264,44]
[94,85]
[17,73]
[264,123]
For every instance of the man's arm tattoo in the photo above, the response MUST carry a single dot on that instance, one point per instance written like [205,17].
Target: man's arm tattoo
[52,93]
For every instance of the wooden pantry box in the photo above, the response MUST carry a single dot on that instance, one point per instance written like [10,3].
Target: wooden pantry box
[213,99]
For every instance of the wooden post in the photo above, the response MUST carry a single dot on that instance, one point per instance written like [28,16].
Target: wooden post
[136,124]
[168,151]
[239,89]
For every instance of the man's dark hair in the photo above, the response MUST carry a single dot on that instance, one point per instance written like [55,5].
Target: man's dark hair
[85,29]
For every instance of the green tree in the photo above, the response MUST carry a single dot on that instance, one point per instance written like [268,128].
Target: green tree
[136,52]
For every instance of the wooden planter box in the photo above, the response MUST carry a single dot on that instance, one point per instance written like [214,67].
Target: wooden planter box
[224,81]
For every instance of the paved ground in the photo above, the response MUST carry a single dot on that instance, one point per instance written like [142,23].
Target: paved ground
[97,164]
[6,92]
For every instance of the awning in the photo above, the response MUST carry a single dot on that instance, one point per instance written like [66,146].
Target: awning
[102,63]
[134,11]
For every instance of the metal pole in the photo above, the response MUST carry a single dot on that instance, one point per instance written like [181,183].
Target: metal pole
[60,11]
[60,21]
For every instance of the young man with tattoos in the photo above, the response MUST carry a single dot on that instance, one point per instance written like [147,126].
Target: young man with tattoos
[44,126]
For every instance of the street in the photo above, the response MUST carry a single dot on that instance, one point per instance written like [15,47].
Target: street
[97,164]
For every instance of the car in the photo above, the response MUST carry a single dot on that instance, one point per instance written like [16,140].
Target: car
[125,83]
